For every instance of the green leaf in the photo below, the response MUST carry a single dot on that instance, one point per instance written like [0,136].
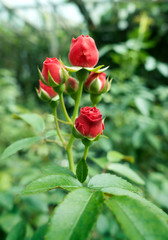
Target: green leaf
[75,216]
[56,169]
[111,184]
[19,145]
[114,156]
[82,170]
[50,182]
[126,172]
[139,219]
[18,232]
[51,133]
[142,105]
[32,119]
[102,161]
[39,233]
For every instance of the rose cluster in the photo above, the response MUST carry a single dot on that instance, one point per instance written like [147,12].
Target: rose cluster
[55,79]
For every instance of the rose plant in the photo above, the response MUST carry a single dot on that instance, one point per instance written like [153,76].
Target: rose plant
[75,216]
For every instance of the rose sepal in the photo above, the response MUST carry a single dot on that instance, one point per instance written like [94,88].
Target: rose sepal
[41,77]
[43,95]
[88,141]
[60,88]
[97,69]
[63,74]
[107,85]
[51,81]
[76,133]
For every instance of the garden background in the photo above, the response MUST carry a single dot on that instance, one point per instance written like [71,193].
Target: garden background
[132,38]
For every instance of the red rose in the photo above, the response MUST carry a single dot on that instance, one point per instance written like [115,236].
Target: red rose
[71,86]
[46,90]
[96,82]
[54,67]
[89,123]
[83,52]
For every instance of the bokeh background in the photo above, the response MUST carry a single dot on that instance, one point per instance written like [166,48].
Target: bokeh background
[132,38]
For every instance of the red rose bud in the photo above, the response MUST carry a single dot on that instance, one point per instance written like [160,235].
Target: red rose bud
[53,72]
[96,83]
[46,93]
[83,52]
[71,86]
[89,124]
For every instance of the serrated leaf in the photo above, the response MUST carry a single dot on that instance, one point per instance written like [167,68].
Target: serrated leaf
[126,172]
[18,232]
[33,120]
[82,170]
[50,182]
[75,216]
[139,219]
[56,169]
[19,145]
[114,183]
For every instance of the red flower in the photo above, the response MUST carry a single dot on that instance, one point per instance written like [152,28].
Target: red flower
[89,123]
[83,52]
[96,82]
[47,90]
[54,67]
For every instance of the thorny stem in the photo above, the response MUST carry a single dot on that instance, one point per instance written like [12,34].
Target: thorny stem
[69,152]
[57,127]
[77,102]
[64,108]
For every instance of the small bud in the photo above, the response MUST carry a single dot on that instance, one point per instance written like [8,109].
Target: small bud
[46,93]
[96,83]
[71,86]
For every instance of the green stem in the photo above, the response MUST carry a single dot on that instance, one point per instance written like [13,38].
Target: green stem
[63,107]
[69,152]
[86,152]
[77,102]
[57,127]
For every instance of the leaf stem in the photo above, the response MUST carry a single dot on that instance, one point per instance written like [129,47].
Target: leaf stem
[64,108]
[57,127]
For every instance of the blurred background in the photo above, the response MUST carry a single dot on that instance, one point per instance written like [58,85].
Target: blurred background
[132,38]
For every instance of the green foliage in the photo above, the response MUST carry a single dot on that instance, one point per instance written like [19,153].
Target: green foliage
[75,216]
[138,218]
[46,183]
[33,119]
[136,110]
[82,170]
[19,145]
[18,232]
[111,184]
[126,172]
